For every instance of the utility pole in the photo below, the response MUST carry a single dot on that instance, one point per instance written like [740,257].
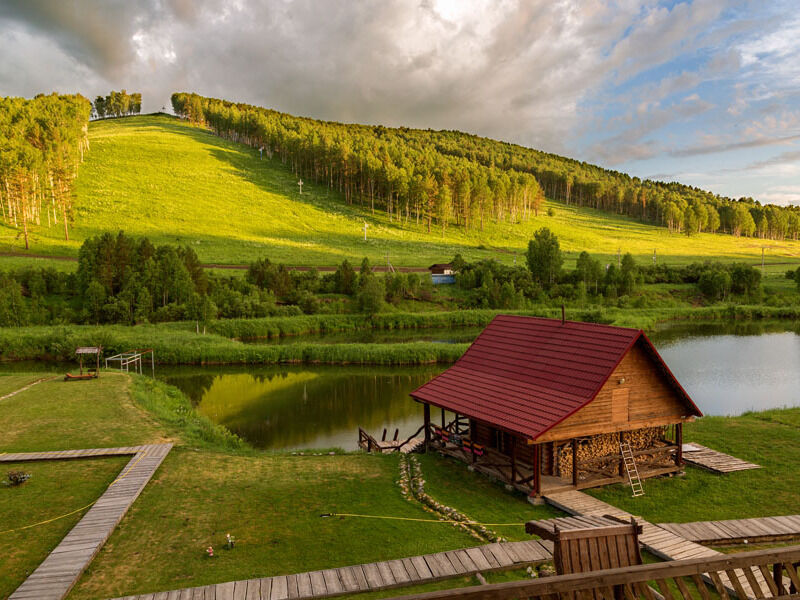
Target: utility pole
[365,232]
[655,260]
[300,183]
[619,258]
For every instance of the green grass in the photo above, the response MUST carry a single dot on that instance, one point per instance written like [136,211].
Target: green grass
[163,178]
[770,439]
[59,415]
[54,489]
[12,383]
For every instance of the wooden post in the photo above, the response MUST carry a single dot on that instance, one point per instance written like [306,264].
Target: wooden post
[443,423]
[427,413]
[679,443]
[621,460]
[575,462]
[513,459]
[537,470]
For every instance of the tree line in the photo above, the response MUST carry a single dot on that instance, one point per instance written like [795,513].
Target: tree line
[117,104]
[450,176]
[379,168]
[42,142]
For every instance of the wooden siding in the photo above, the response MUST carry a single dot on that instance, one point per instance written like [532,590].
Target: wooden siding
[643,399]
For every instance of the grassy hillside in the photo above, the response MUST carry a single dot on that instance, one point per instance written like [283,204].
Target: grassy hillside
[163,178]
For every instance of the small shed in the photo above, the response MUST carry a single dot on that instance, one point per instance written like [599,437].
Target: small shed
[442,273]
[547,404]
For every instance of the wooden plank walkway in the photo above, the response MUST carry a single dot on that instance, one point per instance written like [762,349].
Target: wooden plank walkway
[663,543]
[372,576]
[718,462]
[401,445]
[737,531]
[54,578]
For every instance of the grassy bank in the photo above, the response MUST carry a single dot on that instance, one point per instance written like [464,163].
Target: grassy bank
[177,343]
[232,207]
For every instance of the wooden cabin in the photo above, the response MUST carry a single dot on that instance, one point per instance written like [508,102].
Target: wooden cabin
[547,404]
[442,273]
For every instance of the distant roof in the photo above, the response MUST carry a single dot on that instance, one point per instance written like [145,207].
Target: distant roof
[88,350]
[527,374]
[441,266]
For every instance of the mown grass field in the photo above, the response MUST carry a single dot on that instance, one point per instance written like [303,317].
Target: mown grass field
[271,502]
[175,183]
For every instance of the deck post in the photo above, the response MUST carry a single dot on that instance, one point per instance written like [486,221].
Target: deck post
[537,470]
[443,421]
[679,443]
[427,416]
[621,460]
[513,460]
[575,462]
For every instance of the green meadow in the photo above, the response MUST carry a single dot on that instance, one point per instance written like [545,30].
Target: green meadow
[175,183]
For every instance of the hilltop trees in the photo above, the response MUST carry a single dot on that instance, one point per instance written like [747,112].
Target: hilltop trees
[438,178]
[395,170]
[117,104]
[42,142]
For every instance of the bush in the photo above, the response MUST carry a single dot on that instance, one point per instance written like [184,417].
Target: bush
[15,478]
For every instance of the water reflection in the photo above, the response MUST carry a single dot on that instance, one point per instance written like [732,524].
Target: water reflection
[296,407]
[369,336]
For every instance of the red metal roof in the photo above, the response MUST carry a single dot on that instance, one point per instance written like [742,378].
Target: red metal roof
[527,374]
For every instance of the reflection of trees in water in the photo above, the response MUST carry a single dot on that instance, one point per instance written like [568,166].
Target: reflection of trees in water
[293,407]
[680,332]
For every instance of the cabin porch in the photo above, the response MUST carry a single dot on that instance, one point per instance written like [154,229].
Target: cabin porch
[538,469]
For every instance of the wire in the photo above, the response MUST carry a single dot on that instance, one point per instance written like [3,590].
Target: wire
[77,510]
[420,520]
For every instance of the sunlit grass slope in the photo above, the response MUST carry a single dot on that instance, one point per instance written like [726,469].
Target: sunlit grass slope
[163,178]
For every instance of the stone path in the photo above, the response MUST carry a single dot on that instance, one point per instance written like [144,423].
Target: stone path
[372,576]
[54,578]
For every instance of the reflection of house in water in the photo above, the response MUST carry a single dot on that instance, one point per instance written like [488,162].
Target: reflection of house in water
[442,273]
[546,404]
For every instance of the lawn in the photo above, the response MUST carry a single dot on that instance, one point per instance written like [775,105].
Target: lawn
[770,439]
[163,178]
[55,488]
[12,383]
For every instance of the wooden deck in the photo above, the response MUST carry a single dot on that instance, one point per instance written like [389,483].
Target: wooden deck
[718,462]
[659,541]
[738,531]
[372,576]
[54,578]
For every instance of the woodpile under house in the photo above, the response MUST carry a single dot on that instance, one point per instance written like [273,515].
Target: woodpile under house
[547,404]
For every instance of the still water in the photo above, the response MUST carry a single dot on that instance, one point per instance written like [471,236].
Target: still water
[726,368]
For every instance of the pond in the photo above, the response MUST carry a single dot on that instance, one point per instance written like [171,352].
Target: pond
[726,368]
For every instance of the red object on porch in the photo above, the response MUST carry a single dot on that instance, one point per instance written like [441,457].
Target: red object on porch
[525,375]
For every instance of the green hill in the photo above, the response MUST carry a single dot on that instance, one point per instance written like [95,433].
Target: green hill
[173,182]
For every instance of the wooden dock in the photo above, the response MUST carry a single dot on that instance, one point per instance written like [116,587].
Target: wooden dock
[738,531]
[372,576]
[712,460]
[54,578]
[659,541]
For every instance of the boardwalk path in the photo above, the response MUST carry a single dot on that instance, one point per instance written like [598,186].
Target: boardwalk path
[736,531]
[713,460]
[54,578]
[661,542]
[372,576]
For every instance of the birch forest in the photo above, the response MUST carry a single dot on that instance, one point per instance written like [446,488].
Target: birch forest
[42,142]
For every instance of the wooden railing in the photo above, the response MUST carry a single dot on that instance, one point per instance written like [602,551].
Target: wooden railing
[760,574]
[367,442]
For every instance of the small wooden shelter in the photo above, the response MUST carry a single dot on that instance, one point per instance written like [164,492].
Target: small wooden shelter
[442,273]
[92,372]
[547,404]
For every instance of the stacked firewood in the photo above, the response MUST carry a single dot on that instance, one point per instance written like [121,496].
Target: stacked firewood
[597,446]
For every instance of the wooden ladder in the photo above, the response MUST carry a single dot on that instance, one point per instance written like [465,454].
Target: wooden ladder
[630,468]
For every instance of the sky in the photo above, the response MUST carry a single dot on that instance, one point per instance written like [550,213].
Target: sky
[705,92]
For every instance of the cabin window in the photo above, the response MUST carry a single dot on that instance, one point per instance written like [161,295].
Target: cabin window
[619,406]
[500,441]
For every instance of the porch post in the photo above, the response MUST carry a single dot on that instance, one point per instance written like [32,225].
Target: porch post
[575,462]
[513,460]
[679,443]
[621,460]
[443,423]
[537,469]
[427,415]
